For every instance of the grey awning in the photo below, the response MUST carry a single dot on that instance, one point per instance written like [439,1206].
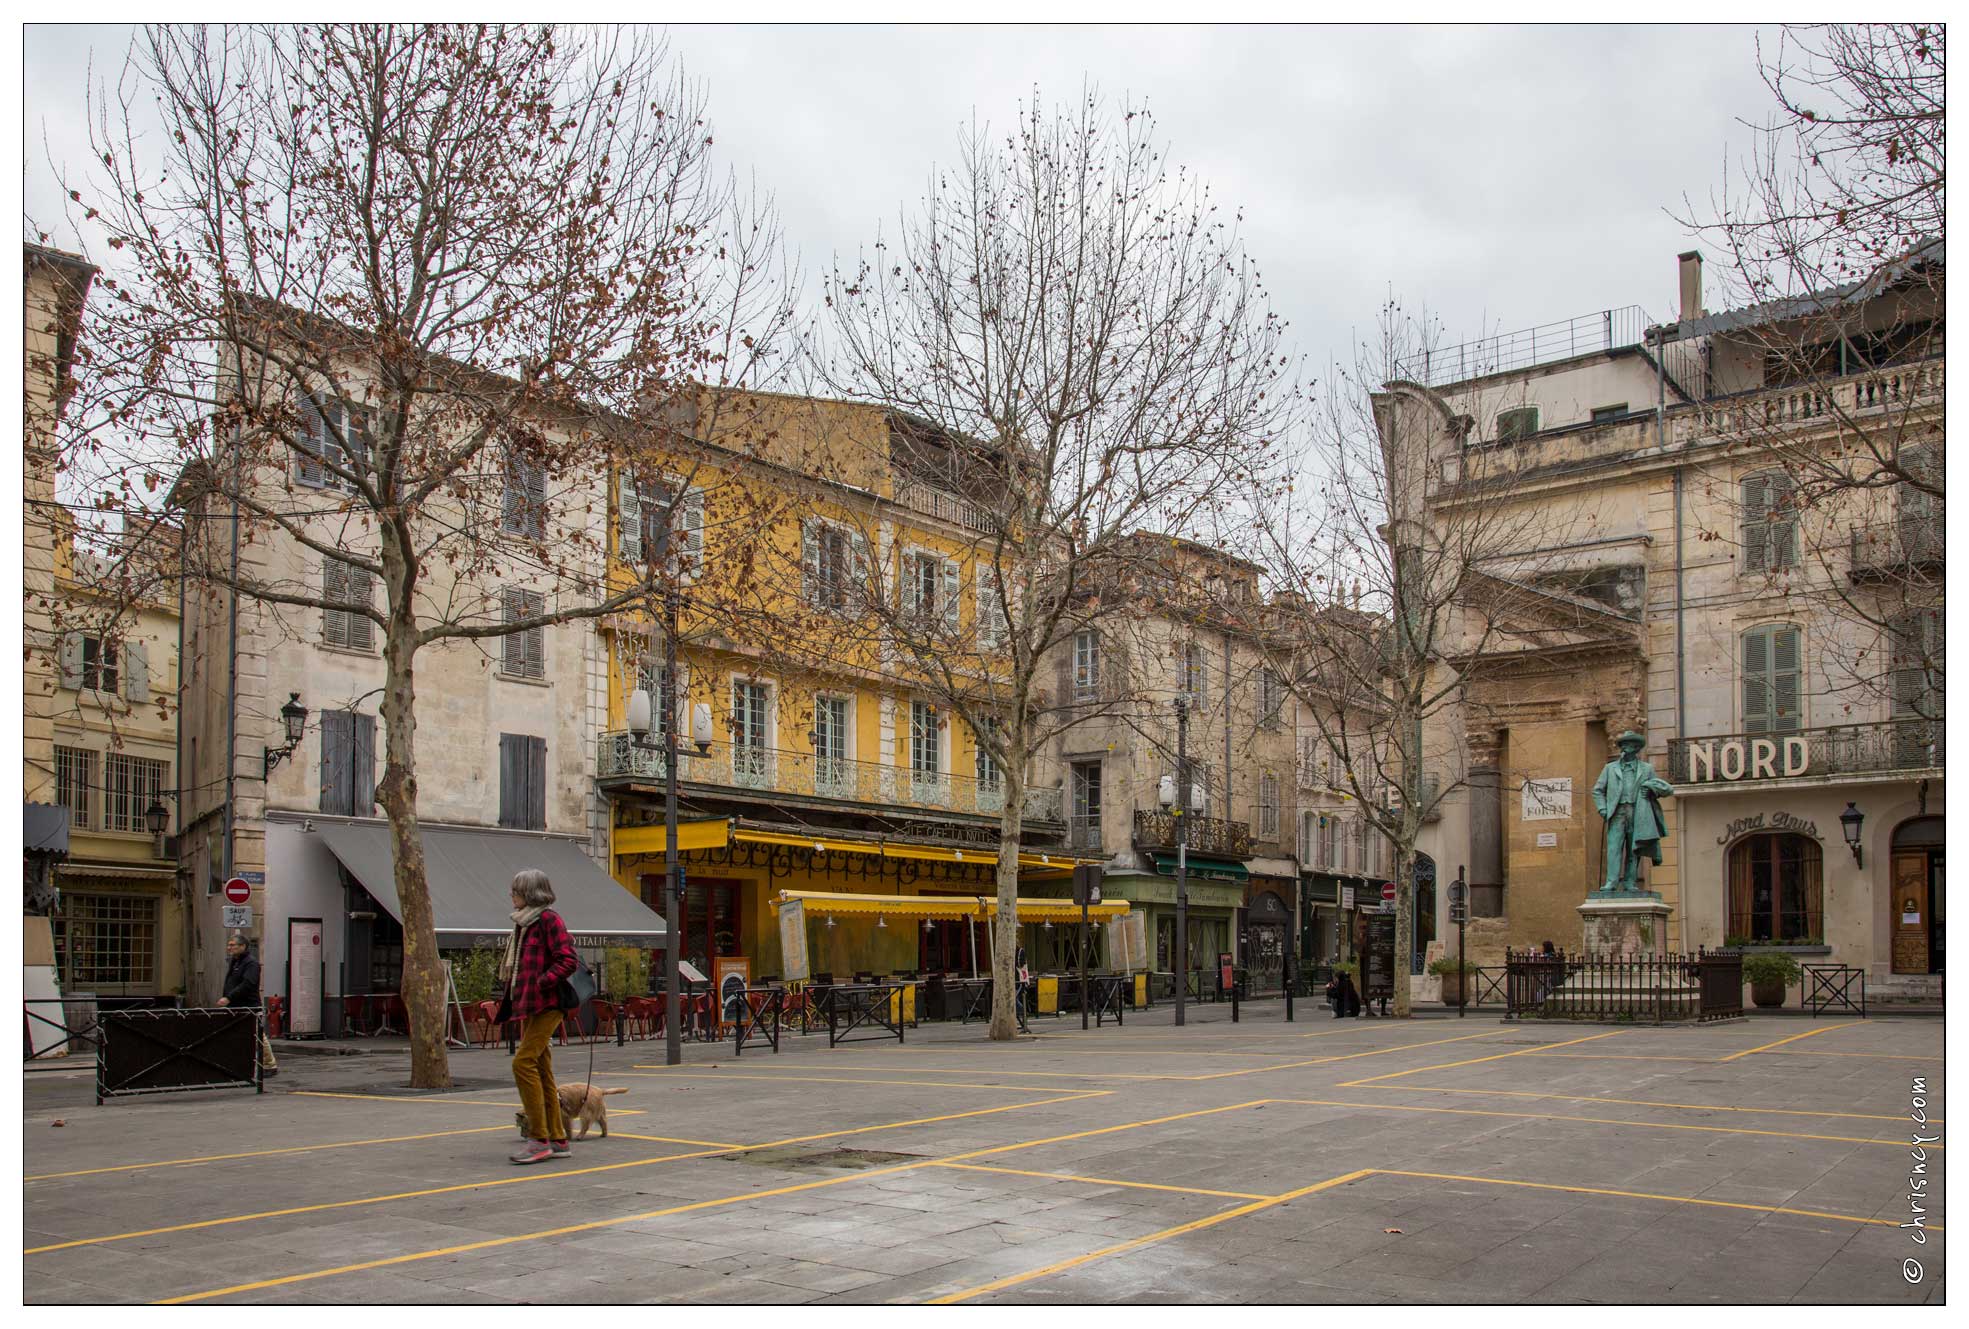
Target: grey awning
[44,829]
[468,872]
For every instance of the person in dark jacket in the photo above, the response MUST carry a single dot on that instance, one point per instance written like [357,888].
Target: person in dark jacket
[539,954]
[242,988]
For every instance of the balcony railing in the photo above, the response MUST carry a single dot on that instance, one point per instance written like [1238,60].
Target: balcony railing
[1868,392]
[1847,749]
[945,506]
[1084,833]
[1207,835]
[1602,330]
[1897,548]
[779,770]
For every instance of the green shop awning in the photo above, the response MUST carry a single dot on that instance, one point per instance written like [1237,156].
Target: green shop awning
[1202,868]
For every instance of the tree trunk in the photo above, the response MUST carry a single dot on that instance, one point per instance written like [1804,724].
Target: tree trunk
[1005,928]
[1404,917]
[423,970]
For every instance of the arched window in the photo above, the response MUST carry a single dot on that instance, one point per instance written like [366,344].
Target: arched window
[1425,910]
[1772,667]
[1775,893]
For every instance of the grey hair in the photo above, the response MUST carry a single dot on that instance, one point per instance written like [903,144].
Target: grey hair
[533,888]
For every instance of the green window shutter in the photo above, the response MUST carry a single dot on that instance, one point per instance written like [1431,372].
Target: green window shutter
[1757,681]
[952,584]
[629,540]
[1786,667]
[1756,522]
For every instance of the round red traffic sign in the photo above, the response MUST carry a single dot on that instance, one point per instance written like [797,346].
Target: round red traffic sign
[1387,890]
[238,892]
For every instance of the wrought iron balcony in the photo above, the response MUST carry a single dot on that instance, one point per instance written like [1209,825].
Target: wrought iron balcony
[779,770]
[1847,749]
[1898,548]
[1084,833]
[1207,835]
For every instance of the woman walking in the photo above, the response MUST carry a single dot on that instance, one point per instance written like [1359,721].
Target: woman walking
[539,954]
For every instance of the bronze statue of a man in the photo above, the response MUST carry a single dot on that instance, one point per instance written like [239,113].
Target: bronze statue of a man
[1626,795]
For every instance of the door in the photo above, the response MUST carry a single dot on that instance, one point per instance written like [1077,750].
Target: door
[1935,895]
[1910,911]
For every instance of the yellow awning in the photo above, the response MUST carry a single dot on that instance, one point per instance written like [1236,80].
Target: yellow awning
[902,906]
[814,842]
[1061,911]
[909,849]
[714,833]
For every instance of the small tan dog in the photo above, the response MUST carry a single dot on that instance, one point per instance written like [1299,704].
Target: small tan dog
[583,1101]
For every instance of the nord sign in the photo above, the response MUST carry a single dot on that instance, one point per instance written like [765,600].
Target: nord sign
[1747,758]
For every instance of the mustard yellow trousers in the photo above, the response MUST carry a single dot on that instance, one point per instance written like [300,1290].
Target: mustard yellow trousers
[533,1074]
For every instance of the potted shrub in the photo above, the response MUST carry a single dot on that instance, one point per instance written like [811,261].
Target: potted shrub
[1451,969]
[1769,973]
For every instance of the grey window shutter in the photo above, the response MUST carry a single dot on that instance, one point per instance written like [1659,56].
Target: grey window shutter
[136,671]
[1112,666]
[864,569]
[812,591]
[951,585]
[307,456]
[71,661]
[512,649]
[536,759]
[512,775]
[359,627]
[335,590]
[337,762]
[363,763]
[1756,523]
[629,527]
[1785,669]
[1757,681]
[911,589]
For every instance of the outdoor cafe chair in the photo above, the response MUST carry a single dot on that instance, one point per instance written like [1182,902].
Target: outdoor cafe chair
[355,1016]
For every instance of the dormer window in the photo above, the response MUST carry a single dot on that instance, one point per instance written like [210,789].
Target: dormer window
[1520,423]
[1603,415]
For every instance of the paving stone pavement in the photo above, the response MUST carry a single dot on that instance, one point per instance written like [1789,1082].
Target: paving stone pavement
[1319,1161]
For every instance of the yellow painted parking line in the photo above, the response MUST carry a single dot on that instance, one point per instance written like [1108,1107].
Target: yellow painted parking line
[414,1256]
[1601,1121]
[524,1178]
[1137,1243]
[1877,1056]
[910,1070]
[1650,1195]
[1105,1181]
[1648,1102]
[1346,1056]
[1448,1065]
[402,1098]
[1620,1056]
[671,1139]
[835,1079]
[260,1153]
[1809,1033]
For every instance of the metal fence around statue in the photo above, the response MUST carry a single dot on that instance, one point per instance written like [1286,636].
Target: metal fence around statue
[1655,989]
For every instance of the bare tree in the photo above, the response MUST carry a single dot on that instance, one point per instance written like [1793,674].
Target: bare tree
[391,301]
[1069,346]
[1835,237]
[1408,575]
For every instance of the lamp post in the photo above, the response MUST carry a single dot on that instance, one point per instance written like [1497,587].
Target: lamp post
[156,818]
[1459,910]
[640,716]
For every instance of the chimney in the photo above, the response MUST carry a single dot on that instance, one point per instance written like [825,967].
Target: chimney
[1689,268]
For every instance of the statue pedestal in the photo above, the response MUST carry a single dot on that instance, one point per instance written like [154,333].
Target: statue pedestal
[1625,925]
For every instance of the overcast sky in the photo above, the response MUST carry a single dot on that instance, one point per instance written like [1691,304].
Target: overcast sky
[1503,176]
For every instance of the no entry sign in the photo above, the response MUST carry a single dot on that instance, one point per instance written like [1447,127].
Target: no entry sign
[238,892]
[1388,890]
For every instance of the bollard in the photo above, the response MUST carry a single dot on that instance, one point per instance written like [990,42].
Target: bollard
[1233,1001]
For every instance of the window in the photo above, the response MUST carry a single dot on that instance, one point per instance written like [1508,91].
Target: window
[751,739]
[1268,806]
[929,589]
[1196,675]
[107,944]
[828,564]
[990,777]
[1770,523]
[925,739]
[75,777]
[130,786]
[646,511]
[1775,890]
[1517,424]
[523,782]
[1770,679]
[1916,664]
[98,665]
[994,624]
[348,763]
[1328,840]
[1086,665]
[1084,826]
[1606,414]
[1271,697]
[525,503]
[525,654]
[832,774]
[346,584]
[332,430]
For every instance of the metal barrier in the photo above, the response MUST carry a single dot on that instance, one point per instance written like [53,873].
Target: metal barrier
[1488,984]
[1104,995]
[758,1022]
[52,1036]
[852,1006]
[1830,986]
[172,1051]
[1706,985]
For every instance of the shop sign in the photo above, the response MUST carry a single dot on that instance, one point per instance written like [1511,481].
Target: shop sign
[1546,799]
[1780,821]
[1346,897]
[1712,759]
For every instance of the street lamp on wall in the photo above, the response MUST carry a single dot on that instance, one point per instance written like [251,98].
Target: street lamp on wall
[294,720]
[1850,821]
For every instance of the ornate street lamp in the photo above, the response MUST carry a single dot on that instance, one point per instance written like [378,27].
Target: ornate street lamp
[294,719]
[1850,821]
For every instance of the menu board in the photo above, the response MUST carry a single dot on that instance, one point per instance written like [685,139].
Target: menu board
[794,965]
[1378,957]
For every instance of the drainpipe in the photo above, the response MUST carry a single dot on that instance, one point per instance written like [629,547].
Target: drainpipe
[187,895]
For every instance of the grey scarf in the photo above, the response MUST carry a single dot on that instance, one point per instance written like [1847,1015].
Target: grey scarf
[522,920]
